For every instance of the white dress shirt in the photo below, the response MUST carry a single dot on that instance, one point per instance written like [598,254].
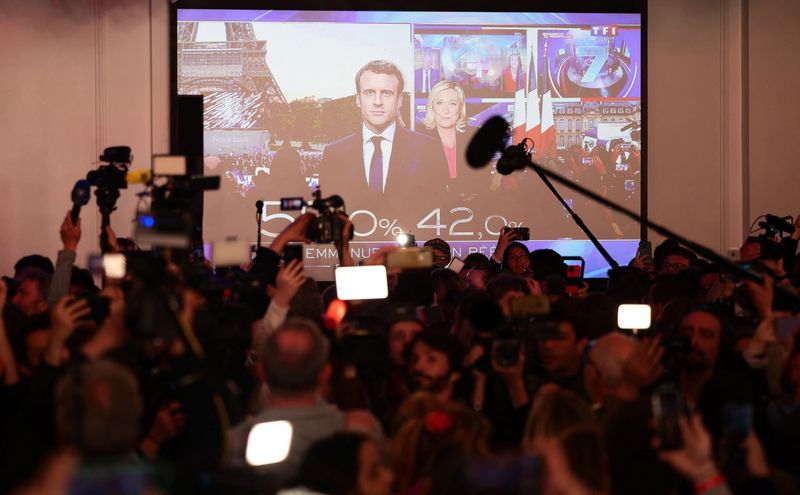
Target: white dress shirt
[386,149]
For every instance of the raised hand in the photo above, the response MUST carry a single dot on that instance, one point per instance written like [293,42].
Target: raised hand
[695,459]
[644,366]
[70,232]
[65,318]
[168,423]
[112,240]
[513,379]
[289,280]
[295,232]
[343,246]
[507,236]
[644,263]
[755,459]
[761,296]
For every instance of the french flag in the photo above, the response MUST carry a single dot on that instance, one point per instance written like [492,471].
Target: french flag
[548,137]
[518,130]
[533,128]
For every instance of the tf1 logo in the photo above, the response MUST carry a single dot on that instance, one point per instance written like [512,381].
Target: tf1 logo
[604,30]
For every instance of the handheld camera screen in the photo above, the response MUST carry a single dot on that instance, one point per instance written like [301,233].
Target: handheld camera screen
[293,251]
[292,204]
[361,282]
[667,407]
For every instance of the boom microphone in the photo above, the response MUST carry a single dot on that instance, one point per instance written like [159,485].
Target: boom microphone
[259,207]
[490,139]
[80,196]
[514,158]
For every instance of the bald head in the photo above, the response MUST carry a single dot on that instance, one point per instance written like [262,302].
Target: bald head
[294,356]
[609,355]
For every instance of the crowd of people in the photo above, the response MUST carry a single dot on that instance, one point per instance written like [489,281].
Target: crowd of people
[493,379]
[258,169]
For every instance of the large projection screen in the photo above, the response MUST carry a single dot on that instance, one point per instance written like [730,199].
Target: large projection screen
[283,116]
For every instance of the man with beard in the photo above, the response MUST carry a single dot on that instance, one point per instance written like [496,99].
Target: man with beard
[711,375]
[435,365]
[704,331]
[561,351]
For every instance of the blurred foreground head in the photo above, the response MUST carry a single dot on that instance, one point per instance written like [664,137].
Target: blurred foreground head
[98,409]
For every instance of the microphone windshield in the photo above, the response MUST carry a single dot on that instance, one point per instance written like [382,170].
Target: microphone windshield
[489,139]
[81,192]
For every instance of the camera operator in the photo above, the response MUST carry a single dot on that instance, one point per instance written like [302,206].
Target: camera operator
[284,285]
[499,392]
[751,249]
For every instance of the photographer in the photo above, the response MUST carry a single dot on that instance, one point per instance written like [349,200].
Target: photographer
[165,349]
[499,393]
[290,278]
[510,255]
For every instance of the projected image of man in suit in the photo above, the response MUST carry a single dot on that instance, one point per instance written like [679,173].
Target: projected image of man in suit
[383,163]
[426,76]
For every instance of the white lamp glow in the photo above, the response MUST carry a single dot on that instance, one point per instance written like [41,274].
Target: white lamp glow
[114,265]
[361,282]
[268,443]
[633,316]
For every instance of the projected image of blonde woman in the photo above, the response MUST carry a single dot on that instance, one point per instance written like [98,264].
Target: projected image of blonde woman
[446,119]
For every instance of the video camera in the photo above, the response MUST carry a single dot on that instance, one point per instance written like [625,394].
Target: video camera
[154,294]
[108,179]
[169,223]
[775,226]
[772,230]
[328,226]
[112,175]
[505,340]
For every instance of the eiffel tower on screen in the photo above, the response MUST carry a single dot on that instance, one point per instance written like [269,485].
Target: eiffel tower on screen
[229,74]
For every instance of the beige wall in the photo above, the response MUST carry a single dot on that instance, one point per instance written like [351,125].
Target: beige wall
[774,106]
[82,75]
[76,78]
[684,117]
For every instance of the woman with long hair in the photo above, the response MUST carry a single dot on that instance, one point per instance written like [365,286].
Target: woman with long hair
[446,119]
